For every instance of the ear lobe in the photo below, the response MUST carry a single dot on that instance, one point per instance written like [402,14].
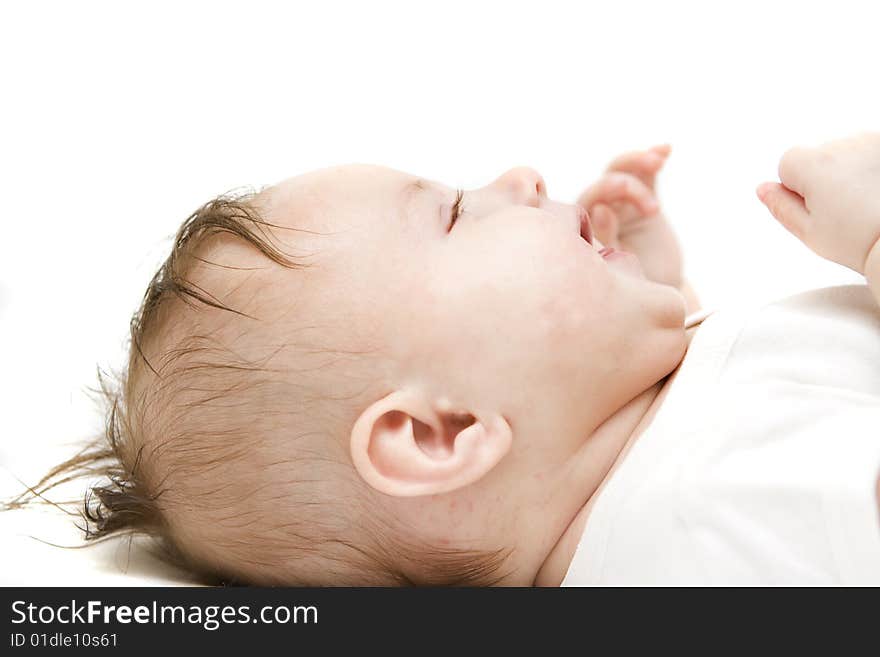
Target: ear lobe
[401,446]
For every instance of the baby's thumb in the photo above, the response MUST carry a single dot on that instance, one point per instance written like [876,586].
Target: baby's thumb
[787,207]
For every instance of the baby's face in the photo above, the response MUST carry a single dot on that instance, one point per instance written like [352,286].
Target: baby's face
[507,305]
[500,307]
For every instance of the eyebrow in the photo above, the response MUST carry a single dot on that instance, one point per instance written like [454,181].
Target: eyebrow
[418,187]
[414,187]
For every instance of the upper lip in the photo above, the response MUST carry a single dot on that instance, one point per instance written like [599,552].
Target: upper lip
[585,227]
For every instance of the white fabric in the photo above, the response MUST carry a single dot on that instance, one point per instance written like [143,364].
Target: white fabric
[761,465]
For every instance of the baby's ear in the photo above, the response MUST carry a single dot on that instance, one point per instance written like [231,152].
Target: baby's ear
[402,446]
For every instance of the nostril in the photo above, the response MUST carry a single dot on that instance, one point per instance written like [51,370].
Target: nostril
[536,187]
[526,186]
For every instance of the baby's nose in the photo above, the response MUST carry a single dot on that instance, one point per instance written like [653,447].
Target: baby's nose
[525,186]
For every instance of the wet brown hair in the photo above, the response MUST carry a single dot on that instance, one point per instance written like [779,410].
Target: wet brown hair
[128,500]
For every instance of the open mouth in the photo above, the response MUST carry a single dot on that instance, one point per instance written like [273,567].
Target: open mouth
[586,228]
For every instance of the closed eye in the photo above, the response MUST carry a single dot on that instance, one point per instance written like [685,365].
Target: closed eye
[457,208]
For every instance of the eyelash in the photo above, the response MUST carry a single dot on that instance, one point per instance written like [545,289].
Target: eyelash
[457,207]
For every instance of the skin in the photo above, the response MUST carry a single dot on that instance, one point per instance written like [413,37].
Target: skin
[515,361]
[516,366]
[827,198]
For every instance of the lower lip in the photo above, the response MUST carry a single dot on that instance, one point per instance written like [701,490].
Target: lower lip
[624,259]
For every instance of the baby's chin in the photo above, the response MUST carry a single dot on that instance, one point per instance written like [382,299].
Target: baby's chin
[677,307]
[665,303]
[668,318]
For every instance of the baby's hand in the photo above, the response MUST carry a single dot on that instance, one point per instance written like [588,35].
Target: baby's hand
[625,214]
[830,198]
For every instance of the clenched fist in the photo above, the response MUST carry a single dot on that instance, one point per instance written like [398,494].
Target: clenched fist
[830,198]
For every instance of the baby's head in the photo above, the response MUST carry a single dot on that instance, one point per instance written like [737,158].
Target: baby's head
[362,377]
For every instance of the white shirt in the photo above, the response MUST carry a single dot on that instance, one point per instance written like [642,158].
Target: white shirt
[761,465]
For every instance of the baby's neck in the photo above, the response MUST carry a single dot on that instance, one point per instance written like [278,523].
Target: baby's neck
[622,428]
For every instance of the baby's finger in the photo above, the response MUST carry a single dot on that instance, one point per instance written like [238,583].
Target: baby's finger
[619,186]
[644,164]
[605,224]
[662,149]
[786,206]
[796,166]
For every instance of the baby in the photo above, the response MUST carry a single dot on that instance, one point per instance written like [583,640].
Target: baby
[361,377]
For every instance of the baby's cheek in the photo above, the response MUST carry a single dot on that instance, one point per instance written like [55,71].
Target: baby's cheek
[568,303]
[556,319]
[530,293]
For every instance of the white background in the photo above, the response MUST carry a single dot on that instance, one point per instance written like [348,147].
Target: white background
[116,121]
